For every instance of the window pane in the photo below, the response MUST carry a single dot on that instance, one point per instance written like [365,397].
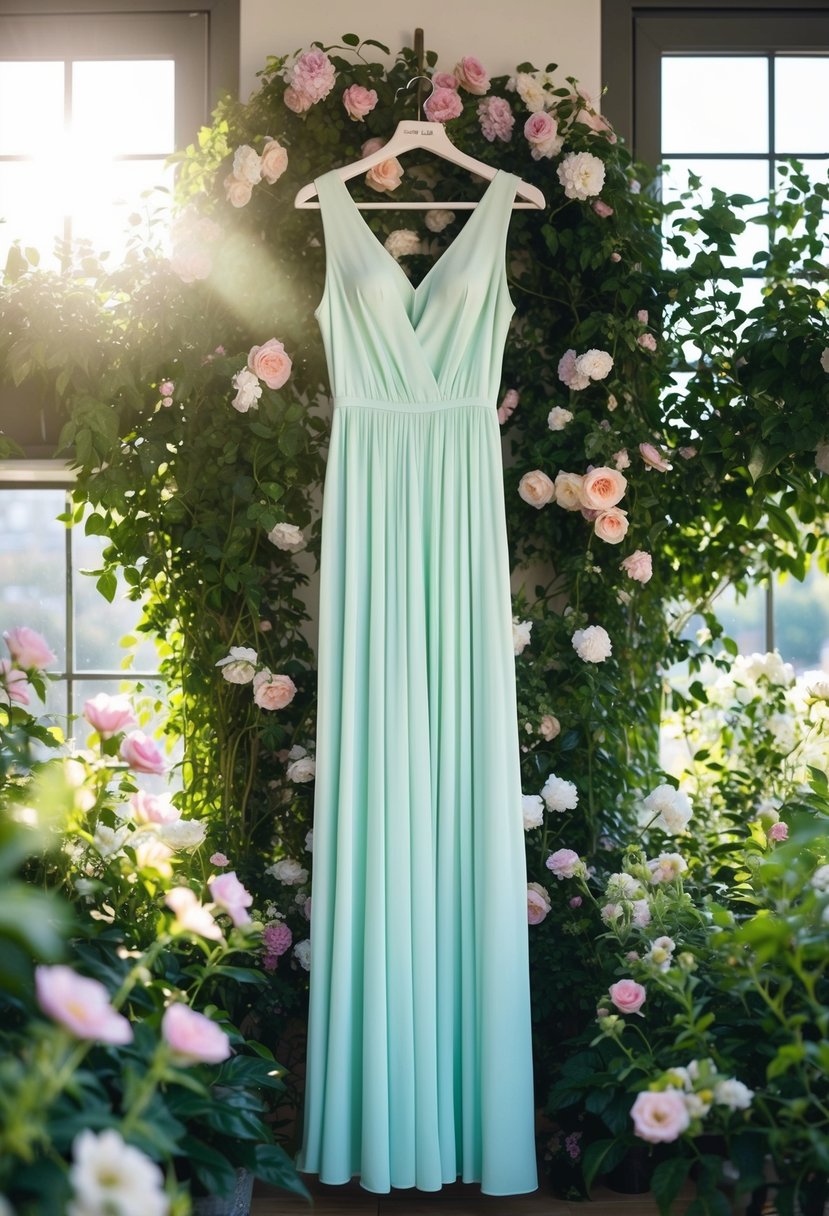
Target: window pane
[100,626]
[714,103]
[103,201]
[124,107]
[32,565]
[31,210]
[749,177]
[31,107]
[801,88]
[801,621]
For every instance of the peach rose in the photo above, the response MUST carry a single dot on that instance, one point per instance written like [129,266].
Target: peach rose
[387,175]
[611,525]
[537,489]
[638,566]
[602,488]
[237,190]
[270,363]
[297,101]
[549,727]
[471,75]
[273,692]
[359,101]
[274,161]
[568,490]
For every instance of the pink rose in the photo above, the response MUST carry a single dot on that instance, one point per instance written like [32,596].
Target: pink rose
[611,526]
[496,119]
[274,161]
[575,902]
[687,453]
[638,566]
[508,405]
[444,80]
[615,257]
[192,262]
[569,374]
[537,489]
[297,101]
[359,101]
[564,863]
[193,1038]
[602,488]
[549,727]
[219,859]
[443,105]
[14,683]
[80,1005]
[238,193]
[273,692]
[621,460]
[471,75]
[602,208]
[108,715]
[647,341]
[231,895]
[642,316]
[372,145]
[166,388]
[386,175]
[28,648]
[542,135]
[538,903]
[660,1117]
[141,753]
[778,831]
[653,458]
[270,363]
[153,808]
[627,996]
[312,76]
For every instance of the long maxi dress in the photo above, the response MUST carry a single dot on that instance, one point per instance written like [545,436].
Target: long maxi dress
[419,1064]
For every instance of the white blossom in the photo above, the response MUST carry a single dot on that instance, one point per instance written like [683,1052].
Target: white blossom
[286,536]
[247,164]
[593,644]
[248,391]
[671,806]
[558,418]
[438,218]
[733,1094]
[302,953]
[402,243]
[301,770]
[521,631]
[109,841]
[532,807]
[109,1176]
[560,795]
[581,174]
[288,871]
[184,834]
[239,665]
[595,364]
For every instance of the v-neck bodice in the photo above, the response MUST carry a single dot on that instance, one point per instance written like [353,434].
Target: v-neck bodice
[388,342]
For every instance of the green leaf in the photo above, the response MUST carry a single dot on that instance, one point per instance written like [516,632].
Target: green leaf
[95,525]
[107,584]
[668,1180]
[351,40]
[601,1156]
[213,1170]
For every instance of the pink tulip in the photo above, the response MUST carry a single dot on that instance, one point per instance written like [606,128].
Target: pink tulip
[80,1005]
[231,895]
[28,648]
[193,1037]
[108,715]
[141,753]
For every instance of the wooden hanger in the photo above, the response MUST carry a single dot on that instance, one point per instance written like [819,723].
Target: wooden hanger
[415,133]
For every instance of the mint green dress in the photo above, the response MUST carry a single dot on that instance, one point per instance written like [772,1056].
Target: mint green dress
[419,1064]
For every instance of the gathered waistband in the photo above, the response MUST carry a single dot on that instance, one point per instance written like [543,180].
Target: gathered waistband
[414,407]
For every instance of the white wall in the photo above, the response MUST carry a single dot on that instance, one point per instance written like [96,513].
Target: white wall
[501,33]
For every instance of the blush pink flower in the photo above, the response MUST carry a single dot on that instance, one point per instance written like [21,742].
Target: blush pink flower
[647,342]
[575,902]
[312,76]
[653,458]
[191,915]
[627,996]
[273,692]
[219,859]
[611,525]
[445,80]
[231,896]
[538,903]
[359,101]
[443,105]
[166,388]
[270,363]
[80,1005]
[28,649]
[141,753]
[153,808]
[296,101]
[508,405]
[642,316]
[541,133]
[471,75]
[615,257]
[549,727]
[564,863]
[602,488]
[602,208]
[274,161]
[194,1039]
[537,489]
[687,453]
[569,374]
[660,1117]
[621,460]
[385,175]
[496,118]
[778,831]
[277,939]
[108,715]
[638,566]
[14,683]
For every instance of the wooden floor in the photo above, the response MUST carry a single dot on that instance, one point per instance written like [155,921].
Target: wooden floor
[455,1200]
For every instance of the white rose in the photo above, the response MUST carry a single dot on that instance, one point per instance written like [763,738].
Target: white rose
[109,841]
[402,242]
[532,807]
[818,690]
[302,954]
[640,914]
[820,879]
[623,886]
[581,174]
[568,490]
[595,364]
[183,833]
[733,1094]
[239,665]
[286,536]
[782,730]
[558,418]
[611,912]
[247,164]
[248,391]
[301,770]
[288,871]
[695,1106]
[531,91]
[521,631]
[671,806]
[438,218]
[593,644]
[560,795]
[667,867]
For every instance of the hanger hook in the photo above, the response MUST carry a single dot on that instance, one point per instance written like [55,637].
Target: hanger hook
[408,85]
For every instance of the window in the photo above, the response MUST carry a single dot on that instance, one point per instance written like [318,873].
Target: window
[729,93]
